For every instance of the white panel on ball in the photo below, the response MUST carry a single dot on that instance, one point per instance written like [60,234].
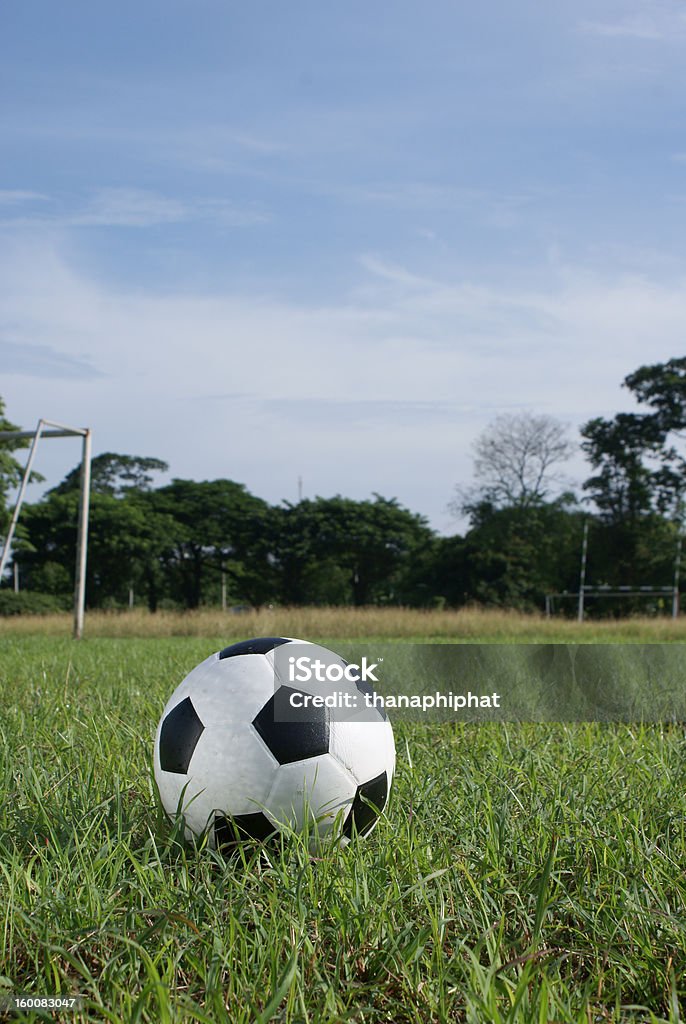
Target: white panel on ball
[363,747]
[319,785]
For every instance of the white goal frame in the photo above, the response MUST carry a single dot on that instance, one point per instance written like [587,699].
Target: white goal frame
[607,590]
[58,430]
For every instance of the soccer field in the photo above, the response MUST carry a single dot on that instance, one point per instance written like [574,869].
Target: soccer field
[522,873]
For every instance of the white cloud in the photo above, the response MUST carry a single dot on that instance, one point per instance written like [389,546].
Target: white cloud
[636,27]
[125,207]
[392,272]
[15,196]
[384,390]
[497,209]
[30,360]
[406,194]
[659,21]
[139,208]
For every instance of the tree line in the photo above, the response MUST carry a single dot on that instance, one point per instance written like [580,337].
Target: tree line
[187,543]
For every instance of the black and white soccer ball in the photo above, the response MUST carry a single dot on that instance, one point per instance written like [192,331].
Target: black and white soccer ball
[233,757]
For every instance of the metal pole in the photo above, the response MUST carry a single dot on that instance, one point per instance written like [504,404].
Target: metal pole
[20,498]
[223,591]
[582,573]
[675,593]
[24,435]
[82,538]
[16,577]
[547,606]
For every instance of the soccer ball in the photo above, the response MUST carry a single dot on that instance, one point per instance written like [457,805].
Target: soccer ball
[240,758]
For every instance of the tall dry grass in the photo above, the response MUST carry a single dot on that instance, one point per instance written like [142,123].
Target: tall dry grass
[351,623]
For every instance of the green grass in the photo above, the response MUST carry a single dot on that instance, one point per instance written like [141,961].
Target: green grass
[529,873]
[345,623]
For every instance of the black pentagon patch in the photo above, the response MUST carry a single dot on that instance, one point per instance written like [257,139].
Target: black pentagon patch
[368,804]
[260,645]
[179,736]
[228,832]
[292,734]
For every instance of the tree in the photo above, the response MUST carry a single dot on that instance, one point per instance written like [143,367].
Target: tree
[11,471]
[515,460]
[220,527]
[126,540]
[639,470]
[624,487]
[662,386]
[115,474]
[513,556]
[639,478]
[336,550]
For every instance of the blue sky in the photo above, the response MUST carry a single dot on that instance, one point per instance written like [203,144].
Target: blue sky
[334,241]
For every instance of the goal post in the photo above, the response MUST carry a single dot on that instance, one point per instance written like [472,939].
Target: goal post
[663,593]
[57,430]
[668,594]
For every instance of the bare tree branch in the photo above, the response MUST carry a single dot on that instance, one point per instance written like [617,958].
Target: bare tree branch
[514,459]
